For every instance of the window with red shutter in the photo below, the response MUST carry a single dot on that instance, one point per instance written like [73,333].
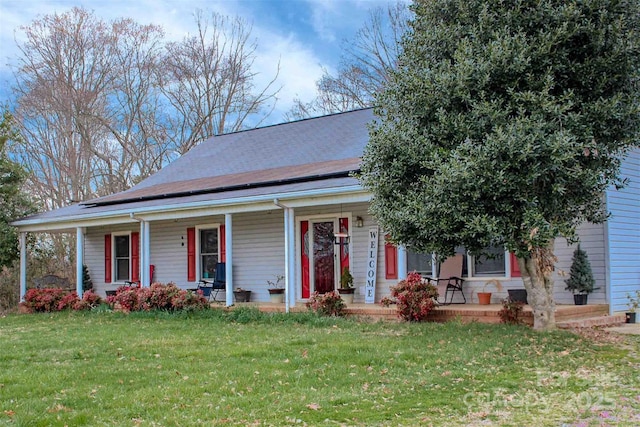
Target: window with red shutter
[223,244]
[107,258]
[390,260]
[191,254]
[515,268]
[135,257]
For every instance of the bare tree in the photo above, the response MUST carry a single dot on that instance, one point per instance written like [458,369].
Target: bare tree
[364,65]
[61,86]
[135,113]
[103,105]
[208,79]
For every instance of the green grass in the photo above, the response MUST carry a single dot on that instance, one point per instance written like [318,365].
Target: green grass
[248,368]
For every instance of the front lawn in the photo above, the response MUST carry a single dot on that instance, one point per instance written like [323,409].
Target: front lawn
[248,368]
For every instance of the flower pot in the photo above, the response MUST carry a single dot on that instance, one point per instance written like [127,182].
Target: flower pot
[276,296]
[630,317]
[580,299]
[518,295]
[484,298]
[242,296]
[346,294]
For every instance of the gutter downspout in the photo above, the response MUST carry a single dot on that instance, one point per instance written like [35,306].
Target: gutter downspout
[289,252]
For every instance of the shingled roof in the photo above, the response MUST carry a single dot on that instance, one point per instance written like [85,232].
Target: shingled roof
[308,155]
[312,149]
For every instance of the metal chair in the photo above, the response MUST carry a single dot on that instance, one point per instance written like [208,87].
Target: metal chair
[218,284]
[205,290]
[449,279]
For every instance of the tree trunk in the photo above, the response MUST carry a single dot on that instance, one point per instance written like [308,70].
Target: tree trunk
[537,275]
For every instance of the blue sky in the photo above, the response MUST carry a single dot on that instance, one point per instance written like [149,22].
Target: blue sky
[305,35]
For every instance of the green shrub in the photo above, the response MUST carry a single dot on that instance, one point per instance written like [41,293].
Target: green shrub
[580,279]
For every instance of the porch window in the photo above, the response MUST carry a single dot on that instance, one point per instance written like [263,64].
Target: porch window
[420,263]
[208,252]
[122,257]
[493,265]
[490,266]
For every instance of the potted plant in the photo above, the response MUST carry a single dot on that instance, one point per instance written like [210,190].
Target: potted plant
[242,295]
[633,306]
[276,290]
[484,297]
[346,286]
[580,280]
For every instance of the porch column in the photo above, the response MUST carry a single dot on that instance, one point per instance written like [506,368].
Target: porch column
[228,244]
[402,262]
[23,265]
[79,259]
[141,261]
[144,254]
[146,250]
[289,258]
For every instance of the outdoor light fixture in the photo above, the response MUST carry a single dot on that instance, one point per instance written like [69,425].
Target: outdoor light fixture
[359,222]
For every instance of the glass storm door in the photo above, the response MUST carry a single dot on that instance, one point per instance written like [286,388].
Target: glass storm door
[323,256]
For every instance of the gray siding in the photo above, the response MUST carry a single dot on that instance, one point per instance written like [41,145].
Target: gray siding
[94,253]
[592,241]
[623,230]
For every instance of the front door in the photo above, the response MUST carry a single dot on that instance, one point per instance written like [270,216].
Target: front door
[323,256]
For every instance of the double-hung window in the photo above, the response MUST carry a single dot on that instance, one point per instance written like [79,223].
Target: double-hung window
[208,250]
[492,265]
[122,257]
[420,263]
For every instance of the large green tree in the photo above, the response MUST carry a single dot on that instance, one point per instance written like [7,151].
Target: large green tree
[14,202]
[503,125]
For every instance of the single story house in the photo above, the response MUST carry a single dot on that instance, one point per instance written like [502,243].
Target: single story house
[281,200]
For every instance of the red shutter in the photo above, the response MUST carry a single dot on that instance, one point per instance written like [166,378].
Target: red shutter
[390,260]
[191,254]
[304,258]
[344,249]
[222,243]
[515,268]
[135,257]
[107,258]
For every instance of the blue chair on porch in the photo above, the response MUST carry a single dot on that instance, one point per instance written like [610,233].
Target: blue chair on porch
[218,284]
[205,290]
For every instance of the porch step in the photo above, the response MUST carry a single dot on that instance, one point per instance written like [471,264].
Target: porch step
[589,322]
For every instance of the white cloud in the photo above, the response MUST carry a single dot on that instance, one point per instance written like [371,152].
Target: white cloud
[299,68]
[323,18]
[302,51]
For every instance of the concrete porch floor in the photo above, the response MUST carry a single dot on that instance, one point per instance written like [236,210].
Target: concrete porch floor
[567,316]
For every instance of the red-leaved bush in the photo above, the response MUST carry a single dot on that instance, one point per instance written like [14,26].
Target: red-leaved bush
[67,301]
[511,312]
[43,300]
[55,299]
[328,304]
[415,297]
[156,297]
[89,300]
